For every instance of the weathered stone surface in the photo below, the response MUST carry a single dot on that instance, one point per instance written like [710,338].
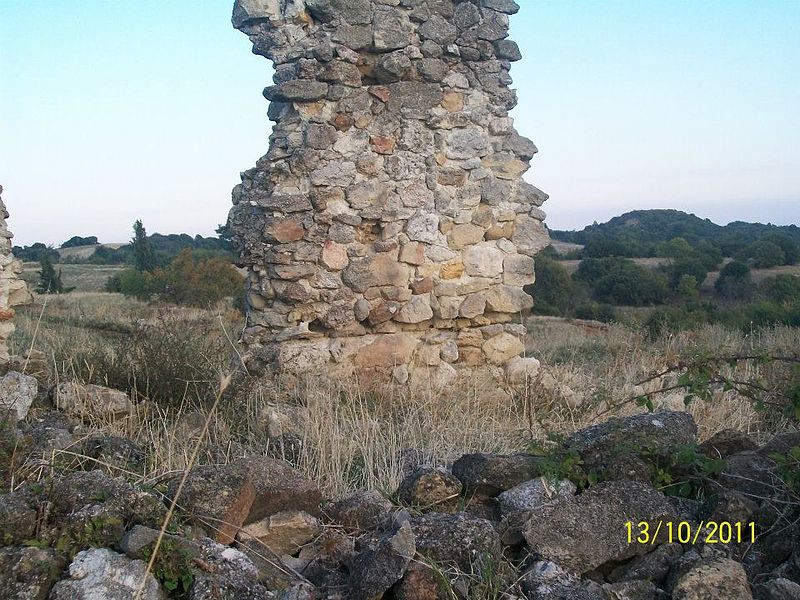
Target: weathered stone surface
[502,348]
[92,401]
[17,393]
[27,572]
[298,90]
[218,499]
[508,299]
[377,569]
[659,433]
[380,270]
[279,487]
[716,578]
[534,493]
[546,580]
[391,198]
[105,575]
[586,531]
[431,489]
[490,474]
[13,289]
[360,511]
[727,442]
[469,543]
[522,370]
[284,532]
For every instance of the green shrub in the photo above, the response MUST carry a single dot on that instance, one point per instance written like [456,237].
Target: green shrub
[592,311]
[633,286]
[735,282]
[186,281]
[553,291]
[781,288]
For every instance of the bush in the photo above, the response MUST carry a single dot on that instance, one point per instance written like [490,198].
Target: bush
[200,282]
[167,360]
[186,281]
[632,286]
[781,288]
[553,290]
[763,254]
[679,318]
[734,281]
[592,311]
[135,284]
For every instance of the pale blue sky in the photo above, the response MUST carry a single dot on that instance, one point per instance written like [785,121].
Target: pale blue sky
[112,111]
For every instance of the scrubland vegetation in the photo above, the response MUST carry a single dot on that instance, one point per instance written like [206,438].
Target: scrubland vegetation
[171,360]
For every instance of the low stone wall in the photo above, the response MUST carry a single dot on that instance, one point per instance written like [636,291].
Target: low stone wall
[13,290]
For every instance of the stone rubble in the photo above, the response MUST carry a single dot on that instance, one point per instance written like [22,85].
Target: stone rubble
[389,222]
[257,528]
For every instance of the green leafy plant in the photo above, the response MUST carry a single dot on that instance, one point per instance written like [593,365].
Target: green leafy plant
[173,567]
[788,466]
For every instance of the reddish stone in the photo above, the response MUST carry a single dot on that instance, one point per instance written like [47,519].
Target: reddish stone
[422,286]
[381,92]
[287,230]
[342,122]
[383,144]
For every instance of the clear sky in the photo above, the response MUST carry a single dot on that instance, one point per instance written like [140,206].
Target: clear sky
[113,111]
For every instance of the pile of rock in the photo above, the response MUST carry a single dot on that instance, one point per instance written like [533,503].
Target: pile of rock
[257,528]
[389,224]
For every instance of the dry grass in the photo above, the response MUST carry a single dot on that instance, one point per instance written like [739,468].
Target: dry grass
[84,278]
[351,438]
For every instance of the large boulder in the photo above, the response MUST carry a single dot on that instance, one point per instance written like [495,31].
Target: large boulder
[583,532]
[87,401]
[379,567]
[360,511]
[28,572]
[105,575]
[467,542]
[218,498]
[279,487]
[713,578]
[491,474]
[17,393]
[656,434]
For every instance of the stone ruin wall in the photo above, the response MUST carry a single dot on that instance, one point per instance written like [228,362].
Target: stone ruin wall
[13,290]
[388,226]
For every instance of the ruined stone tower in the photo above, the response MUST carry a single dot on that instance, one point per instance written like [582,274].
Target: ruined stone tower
[388,227]
[13,290]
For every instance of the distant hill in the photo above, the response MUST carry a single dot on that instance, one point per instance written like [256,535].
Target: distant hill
[166,247]
[636,233]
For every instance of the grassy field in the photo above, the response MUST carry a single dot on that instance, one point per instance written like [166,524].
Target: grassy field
[171,360]
[84,278]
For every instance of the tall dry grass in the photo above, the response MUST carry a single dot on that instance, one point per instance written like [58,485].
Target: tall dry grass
[341,435]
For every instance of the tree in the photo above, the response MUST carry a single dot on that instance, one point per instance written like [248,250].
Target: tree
[50,279]
[144,258]
[553,291]
[734,281]
[77,241]
[687,287]
[764,254]
[633,286]
[791,249]
[781,288]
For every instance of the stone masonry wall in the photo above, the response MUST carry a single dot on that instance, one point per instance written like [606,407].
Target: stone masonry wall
[388,225]
[13,290]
